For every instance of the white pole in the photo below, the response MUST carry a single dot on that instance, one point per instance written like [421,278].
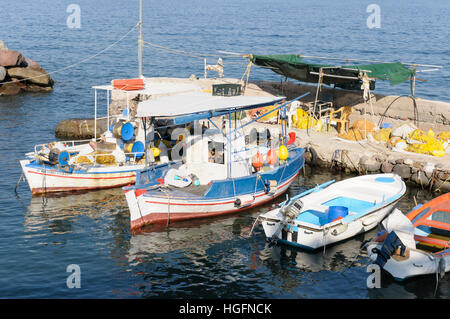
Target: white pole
[107,109]
[95,114]
[140,42]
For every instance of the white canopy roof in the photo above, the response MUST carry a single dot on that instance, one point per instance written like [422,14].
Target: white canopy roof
[196,102]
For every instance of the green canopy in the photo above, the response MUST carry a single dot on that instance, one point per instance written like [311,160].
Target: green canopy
[292,66]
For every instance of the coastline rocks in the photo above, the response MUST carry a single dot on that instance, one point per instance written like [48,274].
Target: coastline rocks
[18,73]
[404,171]
[369,164]
[79,129]
[2,73]
[33,76]
[387,167]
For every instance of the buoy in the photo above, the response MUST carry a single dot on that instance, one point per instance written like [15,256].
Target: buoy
[283,152]
[127,131]
[258,161]
[137,148]
[63,158]
[271,157]
[156,151]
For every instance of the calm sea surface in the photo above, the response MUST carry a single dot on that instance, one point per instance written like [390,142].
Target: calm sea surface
[40,237]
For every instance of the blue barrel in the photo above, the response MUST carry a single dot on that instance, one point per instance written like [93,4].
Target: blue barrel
[127,131]
[336,212]
[138,148]
[63,158]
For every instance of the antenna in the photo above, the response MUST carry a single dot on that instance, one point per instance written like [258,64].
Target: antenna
[140,42]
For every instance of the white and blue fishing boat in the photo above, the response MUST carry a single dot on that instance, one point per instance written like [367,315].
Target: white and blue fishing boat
[333,212]
[200,184]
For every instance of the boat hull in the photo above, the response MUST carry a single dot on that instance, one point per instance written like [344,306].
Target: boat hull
[418,262]
[310,238]
[50,179]
[150,208]
[315,226]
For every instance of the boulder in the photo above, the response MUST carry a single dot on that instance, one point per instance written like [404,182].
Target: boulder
[387,167]
[33,65]
[79,129]
[420,178]
[34,76]
[2,73]
[404,171]
[369,164]
[11,58]
[10,89]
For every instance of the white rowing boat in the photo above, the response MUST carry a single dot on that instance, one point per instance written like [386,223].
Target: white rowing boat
[333,212]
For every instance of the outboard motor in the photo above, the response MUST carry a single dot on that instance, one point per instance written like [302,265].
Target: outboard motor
[291,211]
[390,245]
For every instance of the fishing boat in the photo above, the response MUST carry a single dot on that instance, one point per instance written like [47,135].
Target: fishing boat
[198,185]
[332,212]
[417,243]
[105,161]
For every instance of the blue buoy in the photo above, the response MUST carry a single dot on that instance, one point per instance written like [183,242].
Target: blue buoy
[337,211]
[138,149]
[63,158]
[127,131]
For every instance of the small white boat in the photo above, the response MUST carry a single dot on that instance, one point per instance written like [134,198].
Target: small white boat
[417,243]
[333,212]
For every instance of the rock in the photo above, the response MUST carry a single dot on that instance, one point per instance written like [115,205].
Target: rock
[34,76]
[399,161]
[37,88]
[308,157]
[2,73]
[369,164]
[33,65]
[387,167]
[79,129]
[10,58]
[408,161]
[417,165]
[402,170]
[3,46]
[420,178]
[10,89]
[443,175]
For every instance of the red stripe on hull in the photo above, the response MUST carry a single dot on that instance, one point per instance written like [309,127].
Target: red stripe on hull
[36,191]
[79,177]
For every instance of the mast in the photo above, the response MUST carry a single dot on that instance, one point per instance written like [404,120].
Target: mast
[140,42]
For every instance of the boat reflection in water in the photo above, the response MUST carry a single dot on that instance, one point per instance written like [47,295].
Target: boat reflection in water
[58,212]
[336,257]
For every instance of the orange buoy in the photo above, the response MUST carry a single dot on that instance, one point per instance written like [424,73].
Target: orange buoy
[272,157]
[258,161]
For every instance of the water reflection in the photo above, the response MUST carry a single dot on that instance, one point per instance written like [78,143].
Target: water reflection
[57,213]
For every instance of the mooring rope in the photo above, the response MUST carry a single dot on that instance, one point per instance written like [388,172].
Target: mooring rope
[79,62]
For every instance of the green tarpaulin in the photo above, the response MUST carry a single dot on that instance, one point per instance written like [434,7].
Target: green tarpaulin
[293,66]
